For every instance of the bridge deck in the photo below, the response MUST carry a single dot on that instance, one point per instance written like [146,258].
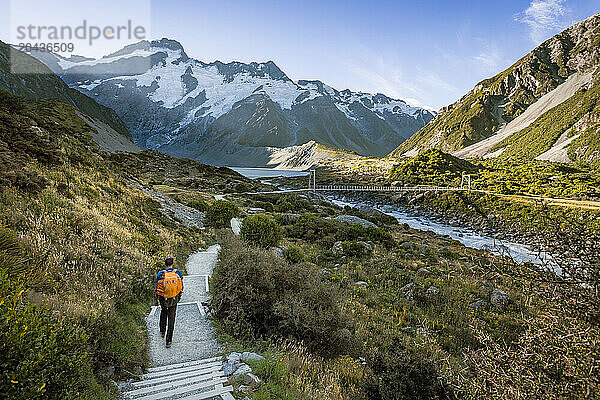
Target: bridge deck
[365,188]
[372,188]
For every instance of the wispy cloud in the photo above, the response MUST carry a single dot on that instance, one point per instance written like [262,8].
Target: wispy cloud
[544,17]
[431,79]
[490,60]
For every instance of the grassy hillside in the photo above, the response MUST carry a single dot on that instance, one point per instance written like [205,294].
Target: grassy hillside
[25,76]
[78,250]
[578,115]
[479,113]
[432,167]
[542,178]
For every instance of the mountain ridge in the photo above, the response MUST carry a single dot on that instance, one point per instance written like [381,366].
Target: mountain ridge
[25,76]
[186,107]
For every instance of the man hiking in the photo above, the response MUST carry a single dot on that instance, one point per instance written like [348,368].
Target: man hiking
[168,287]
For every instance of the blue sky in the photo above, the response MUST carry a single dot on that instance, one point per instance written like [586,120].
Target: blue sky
[429,53]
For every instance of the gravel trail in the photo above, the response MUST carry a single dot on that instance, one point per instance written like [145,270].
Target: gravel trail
[193,337]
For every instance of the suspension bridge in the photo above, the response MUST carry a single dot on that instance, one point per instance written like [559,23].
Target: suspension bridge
[465,185]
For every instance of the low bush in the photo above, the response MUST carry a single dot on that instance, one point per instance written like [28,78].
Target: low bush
[315,229]
[292,203]
[354,249]
[396,372]
[199,205]
[260,230]
[258,295]
[293,254]
[40,357]
[265,205]
[220,213]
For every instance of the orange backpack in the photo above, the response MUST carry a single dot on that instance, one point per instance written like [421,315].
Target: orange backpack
[170,286]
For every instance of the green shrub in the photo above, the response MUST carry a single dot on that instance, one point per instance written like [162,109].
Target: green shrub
[313,228]
[198,204]
[293,254]
[265,205]
[258,295]
[354,249]
[326,232]
[242,187]
[292,203]
[275,375]
[41,358]
[397,372]
[260,230]
[220,213]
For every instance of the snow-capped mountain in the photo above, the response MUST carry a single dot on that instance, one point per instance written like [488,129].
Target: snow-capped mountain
[229,113]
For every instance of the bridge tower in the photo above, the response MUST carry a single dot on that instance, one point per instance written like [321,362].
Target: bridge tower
[312,180]
[465,182]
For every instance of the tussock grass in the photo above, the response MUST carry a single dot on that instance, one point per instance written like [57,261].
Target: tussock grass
[88,248]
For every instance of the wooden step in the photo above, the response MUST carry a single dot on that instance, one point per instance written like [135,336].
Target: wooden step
[171,378]
[178,392]
[219,390]
[213,377]
[183,365]
[198,367]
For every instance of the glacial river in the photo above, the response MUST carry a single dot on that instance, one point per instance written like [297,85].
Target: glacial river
[519,252]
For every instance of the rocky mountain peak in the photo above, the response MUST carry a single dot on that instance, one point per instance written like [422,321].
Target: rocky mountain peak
[497,101]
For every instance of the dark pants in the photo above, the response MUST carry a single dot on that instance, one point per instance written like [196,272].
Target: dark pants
[167,314]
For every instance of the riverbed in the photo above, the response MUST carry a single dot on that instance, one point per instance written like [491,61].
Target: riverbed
[519,252]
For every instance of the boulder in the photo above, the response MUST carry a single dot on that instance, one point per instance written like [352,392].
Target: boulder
[500,299]
[251,379]
[124,386]
[248,356]
[479,305]
[288,219]
[432,291]
[278,251]
[255,210]
[229,368]
[362,284]
[370,211]
[242,369]
[324,274]
[408,245]
[423,271]
[367,245]
[236,225]
[408,290]
[234,357]
[351,219]
[337,248]
[485,289]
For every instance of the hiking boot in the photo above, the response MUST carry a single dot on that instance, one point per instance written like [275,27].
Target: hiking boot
[162,334]
[168,345]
